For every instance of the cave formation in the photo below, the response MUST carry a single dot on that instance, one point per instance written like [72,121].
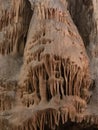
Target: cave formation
[48,65]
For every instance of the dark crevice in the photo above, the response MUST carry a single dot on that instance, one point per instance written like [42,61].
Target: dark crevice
[37,88]
[30,90]
[64,83]
[71,126]
[82,14]
[26,22]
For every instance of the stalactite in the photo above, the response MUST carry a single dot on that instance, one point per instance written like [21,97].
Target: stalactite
[11,26]
[53,87]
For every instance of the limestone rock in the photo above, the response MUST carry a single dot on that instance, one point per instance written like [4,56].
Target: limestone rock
[47,50]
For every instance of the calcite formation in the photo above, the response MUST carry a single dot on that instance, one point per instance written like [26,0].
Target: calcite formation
[46,77]
[54,57]
[13,26]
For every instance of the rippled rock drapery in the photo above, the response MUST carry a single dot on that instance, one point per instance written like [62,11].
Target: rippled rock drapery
[45,78]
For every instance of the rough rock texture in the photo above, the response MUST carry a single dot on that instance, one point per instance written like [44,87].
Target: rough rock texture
[48,64]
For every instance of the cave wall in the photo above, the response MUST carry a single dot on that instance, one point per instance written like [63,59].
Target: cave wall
[48,64]
[13,25]
[84,14]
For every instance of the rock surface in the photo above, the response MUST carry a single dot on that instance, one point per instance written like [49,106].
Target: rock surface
[48,64]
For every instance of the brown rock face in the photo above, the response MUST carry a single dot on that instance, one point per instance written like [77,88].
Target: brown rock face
[46,77]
